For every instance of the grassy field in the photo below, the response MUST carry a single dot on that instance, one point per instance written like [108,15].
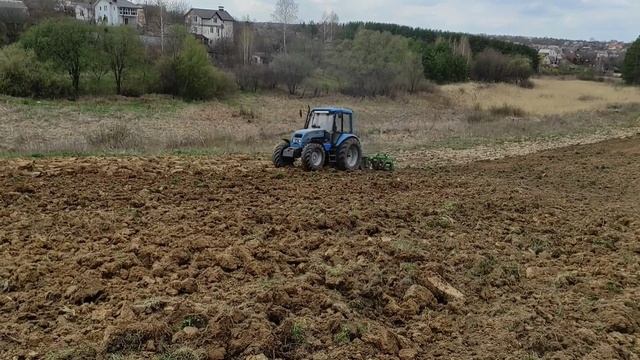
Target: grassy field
[550,96]
[456,117]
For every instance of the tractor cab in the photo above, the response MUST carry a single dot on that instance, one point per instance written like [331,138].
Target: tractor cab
[328,138]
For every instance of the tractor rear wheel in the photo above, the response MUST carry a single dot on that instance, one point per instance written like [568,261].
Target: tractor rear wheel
[349,155]
[278,159]
[313,157]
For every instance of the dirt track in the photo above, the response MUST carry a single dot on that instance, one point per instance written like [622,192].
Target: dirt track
[231,258]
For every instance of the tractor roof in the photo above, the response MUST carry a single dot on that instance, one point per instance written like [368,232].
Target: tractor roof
[334,110]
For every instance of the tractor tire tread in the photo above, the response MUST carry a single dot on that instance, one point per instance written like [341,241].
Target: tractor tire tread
[342,154]
[307,152]
[279,160]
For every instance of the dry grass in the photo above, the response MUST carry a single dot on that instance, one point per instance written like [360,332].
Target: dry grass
[548,97]
[254,123]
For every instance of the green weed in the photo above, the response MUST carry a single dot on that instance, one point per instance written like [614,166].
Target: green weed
[484,267]
[614,287]
[198,321]
[297,333]
[343,336]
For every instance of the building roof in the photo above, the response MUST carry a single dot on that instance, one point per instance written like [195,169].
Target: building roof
[209,14]
[332,110]
[127,4]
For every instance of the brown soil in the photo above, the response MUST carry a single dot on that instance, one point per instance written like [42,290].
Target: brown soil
[223,258]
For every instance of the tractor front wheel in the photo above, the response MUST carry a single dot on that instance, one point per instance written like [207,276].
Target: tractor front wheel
[349,155]
[313,157]
[278,159]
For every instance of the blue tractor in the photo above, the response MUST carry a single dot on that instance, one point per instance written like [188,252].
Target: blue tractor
[328,139]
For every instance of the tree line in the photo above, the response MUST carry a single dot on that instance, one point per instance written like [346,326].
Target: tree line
[67,58]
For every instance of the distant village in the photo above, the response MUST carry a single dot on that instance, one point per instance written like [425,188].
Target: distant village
[207,25]
[601,56]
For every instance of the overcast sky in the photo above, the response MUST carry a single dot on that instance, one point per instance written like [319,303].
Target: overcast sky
[572,19]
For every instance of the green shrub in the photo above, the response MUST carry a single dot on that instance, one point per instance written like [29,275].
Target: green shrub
[519,69]
[22,75]
[191,75]
[254,77]
[492,66]
[64,42]
[140,80]
[291,70]
[320,84]
[373,63]
[443,65]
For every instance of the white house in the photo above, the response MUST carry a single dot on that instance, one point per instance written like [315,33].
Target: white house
[82,11]
[118,12]
[210,25]
[13,12]
[550,56]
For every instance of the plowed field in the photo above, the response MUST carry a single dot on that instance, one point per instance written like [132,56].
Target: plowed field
[224,258]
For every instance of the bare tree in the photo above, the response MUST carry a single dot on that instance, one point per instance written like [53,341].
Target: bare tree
[329,21]
[286,12]
[325,24]
[246,39]
[161,14]
[333,22]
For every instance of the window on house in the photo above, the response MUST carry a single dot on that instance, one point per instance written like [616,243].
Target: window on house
[126,21]
[218,31]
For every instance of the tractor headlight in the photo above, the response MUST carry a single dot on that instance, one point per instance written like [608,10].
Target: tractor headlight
[297,141]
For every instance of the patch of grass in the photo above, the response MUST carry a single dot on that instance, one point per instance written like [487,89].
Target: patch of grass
[408,267]
[507,110]
[567,279]
[614,287]
[441,221]
[343,336]
[451,207]
[527,84]
[269,283]
[531,356]
[297,334]
[183,354]
[133,337]
[587,98]
[606,242]
[484,267]
[116,136]
[538,246]
[5,285]
[406,247]
[76,353]
[247,113]
[194,320]
[479,115]
[335,271]
[511,272]
[153,304]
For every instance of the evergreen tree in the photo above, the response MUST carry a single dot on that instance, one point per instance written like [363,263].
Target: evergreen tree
[631,67]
